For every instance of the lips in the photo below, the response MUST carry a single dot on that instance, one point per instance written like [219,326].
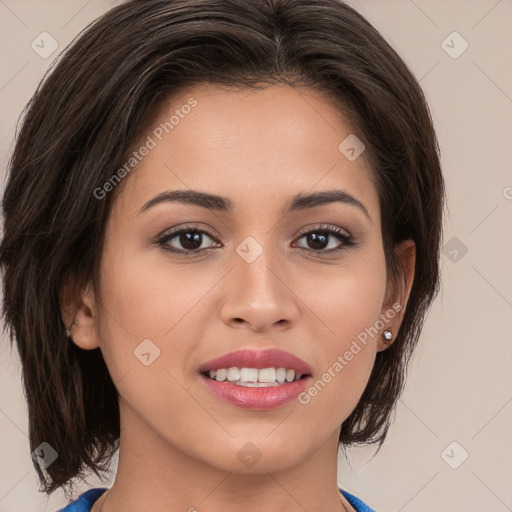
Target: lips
[259,359]
[256,398]
[259,399]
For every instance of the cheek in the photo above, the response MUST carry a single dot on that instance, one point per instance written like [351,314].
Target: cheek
[149,307]
[146,297]
[144,319]
[347,298]
[347,305]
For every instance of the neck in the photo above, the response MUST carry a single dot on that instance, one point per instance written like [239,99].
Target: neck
[153,474]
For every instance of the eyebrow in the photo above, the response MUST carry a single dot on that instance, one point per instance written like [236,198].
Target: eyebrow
[225,205]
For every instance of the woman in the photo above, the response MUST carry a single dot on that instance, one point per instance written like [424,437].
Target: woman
[221,239]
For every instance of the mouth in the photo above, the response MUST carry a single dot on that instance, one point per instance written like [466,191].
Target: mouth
[254,377]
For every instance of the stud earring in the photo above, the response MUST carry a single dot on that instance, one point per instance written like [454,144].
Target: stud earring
[388,336]
[68,334]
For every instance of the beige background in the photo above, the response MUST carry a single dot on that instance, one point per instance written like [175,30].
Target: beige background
[460,386]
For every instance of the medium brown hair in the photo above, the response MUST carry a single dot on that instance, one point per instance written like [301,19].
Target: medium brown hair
[87,113]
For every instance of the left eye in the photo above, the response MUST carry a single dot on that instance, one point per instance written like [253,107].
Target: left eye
[319,240]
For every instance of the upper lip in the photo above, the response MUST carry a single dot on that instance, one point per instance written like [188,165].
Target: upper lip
[266,358]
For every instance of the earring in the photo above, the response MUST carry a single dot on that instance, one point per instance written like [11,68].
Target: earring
[388,336]
[68,334]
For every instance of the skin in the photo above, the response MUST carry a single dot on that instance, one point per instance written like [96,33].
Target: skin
[178,441]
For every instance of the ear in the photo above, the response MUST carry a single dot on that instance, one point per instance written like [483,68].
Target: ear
[397,293]
[79,313]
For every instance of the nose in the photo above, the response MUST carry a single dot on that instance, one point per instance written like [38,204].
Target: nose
[258,296]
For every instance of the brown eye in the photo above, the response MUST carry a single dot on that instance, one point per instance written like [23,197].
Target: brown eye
[186,240]
[327,239]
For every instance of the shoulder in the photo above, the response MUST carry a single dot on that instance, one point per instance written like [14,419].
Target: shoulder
[356,502]
[85,501]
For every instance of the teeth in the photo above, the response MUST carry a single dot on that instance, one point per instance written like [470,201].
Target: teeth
[221,374]
[281,374]
[233,374]
[249,374]
[267,375]
[253,377]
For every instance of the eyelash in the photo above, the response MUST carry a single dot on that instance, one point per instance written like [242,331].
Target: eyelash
[346,239]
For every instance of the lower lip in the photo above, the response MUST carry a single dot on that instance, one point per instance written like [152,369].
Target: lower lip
[256,398]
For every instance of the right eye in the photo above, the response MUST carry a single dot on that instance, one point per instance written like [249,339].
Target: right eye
[190,238]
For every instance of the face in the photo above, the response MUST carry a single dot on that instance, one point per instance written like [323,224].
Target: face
[292,283]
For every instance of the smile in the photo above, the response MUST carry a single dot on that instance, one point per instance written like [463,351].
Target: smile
[254,377]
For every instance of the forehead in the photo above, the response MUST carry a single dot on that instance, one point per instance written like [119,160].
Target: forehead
[247,144]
